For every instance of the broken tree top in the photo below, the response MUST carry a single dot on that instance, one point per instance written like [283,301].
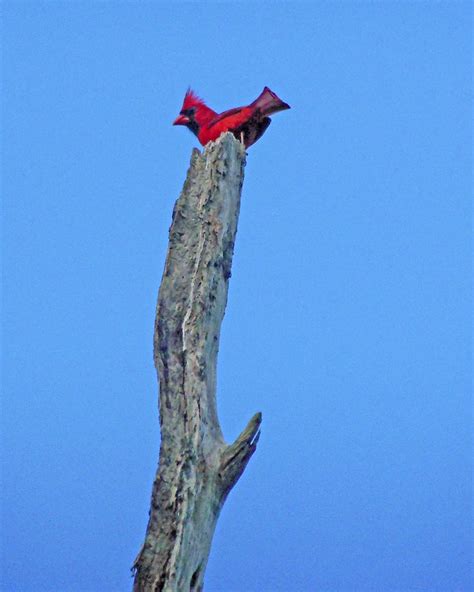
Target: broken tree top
[197,469]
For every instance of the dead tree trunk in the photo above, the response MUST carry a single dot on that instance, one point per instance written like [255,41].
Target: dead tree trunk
[197,469]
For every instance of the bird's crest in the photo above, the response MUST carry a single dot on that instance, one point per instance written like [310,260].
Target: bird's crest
[191,99]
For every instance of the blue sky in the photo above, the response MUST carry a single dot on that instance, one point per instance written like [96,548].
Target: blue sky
[348,323]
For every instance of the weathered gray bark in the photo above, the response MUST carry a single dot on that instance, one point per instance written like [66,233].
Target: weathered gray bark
[197,469]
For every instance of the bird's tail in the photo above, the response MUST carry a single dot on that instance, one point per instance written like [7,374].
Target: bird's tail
[269,103]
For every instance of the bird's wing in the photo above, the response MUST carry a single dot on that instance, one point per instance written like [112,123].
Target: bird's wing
[234,116]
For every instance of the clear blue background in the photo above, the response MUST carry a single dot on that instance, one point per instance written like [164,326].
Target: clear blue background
[349,305]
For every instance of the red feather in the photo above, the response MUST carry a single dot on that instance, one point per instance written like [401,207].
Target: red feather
[246,123]
[191,100]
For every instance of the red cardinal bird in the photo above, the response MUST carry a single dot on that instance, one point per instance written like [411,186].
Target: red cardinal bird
[248,124]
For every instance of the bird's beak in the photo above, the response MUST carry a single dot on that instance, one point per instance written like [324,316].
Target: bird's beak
[181,120]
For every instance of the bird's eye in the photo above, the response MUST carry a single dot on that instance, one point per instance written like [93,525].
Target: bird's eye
[188,112]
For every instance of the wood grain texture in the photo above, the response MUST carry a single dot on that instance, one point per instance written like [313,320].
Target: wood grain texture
[197,469]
